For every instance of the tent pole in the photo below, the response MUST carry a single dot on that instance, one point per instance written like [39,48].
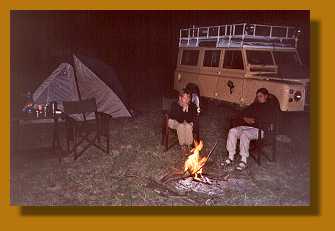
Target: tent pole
[77,86]
[76,81]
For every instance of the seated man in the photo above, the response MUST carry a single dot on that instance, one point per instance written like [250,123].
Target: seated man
[262,110]
[182,117]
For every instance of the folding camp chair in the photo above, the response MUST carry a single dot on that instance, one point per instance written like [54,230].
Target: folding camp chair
[166,131]
[78,131]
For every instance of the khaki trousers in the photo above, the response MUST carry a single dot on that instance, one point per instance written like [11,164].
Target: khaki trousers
[184,131]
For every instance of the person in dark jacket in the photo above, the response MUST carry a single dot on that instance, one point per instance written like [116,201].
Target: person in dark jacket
[182,117]
[262,111]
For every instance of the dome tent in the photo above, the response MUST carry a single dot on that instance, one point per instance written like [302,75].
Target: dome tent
[65,84]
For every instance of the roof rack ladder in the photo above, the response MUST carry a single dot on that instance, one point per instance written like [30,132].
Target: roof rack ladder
[218,37]
[229,41]
[243,34]
[198,32]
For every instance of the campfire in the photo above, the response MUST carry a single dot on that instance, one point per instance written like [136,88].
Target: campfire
[194,163]
[193,166]
[194,177]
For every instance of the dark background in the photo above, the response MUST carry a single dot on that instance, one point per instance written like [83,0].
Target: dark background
[142,46]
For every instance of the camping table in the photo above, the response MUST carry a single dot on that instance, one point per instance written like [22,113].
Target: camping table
[21,121]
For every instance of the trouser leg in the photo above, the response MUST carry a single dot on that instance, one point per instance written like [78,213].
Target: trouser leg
[247,134]
[233,135]
[184,131]
[188,133]
[180,130]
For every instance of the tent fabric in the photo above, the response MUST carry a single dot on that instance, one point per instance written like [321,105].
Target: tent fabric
[107,74]
[59,86]
[90,85]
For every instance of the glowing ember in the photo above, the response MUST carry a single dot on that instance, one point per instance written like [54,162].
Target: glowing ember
[194,163]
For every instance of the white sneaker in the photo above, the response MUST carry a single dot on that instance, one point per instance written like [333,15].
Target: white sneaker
[241,166]
[227,162]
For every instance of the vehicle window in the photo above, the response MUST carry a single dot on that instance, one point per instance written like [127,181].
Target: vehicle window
[233,59]
[212,58]
[190,57]
[259,57]
[286,58]
[289,65]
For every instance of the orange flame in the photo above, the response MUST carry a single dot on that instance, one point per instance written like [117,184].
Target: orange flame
[194,163]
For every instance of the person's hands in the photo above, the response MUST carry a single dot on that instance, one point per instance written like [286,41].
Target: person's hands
[249,120]
[180,102]
[185,122]
[185,107]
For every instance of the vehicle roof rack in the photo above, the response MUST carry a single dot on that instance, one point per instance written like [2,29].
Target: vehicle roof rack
[240,35]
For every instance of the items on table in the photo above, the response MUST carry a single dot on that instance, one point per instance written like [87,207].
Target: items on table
[33,110]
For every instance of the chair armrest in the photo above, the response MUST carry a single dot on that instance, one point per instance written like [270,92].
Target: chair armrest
[68,119]
[103,119]
[266,127]
[269,130]
[166,115]
[165,119]
[165,112]
[234,121]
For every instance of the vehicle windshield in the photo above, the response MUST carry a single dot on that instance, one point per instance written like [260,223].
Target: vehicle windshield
[284,58]
[263,58]
[289,65]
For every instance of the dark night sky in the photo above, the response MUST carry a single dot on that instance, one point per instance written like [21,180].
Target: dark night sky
[141,45]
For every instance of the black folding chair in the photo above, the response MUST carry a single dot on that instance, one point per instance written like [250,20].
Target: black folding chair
[269,137]
[80,130]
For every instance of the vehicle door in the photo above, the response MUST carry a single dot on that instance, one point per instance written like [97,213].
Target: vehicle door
[210,62]
[230,82]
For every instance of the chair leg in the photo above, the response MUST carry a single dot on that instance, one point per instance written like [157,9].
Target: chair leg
[258,158]
[75,145]
[108,136]
[274,150]
[256,153]
[166,141]
[163,132]
[163,137]
[108,147]
[68,145]
[98,127]
[99,135]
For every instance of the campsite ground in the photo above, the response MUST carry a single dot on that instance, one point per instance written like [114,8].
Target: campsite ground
[131,173]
